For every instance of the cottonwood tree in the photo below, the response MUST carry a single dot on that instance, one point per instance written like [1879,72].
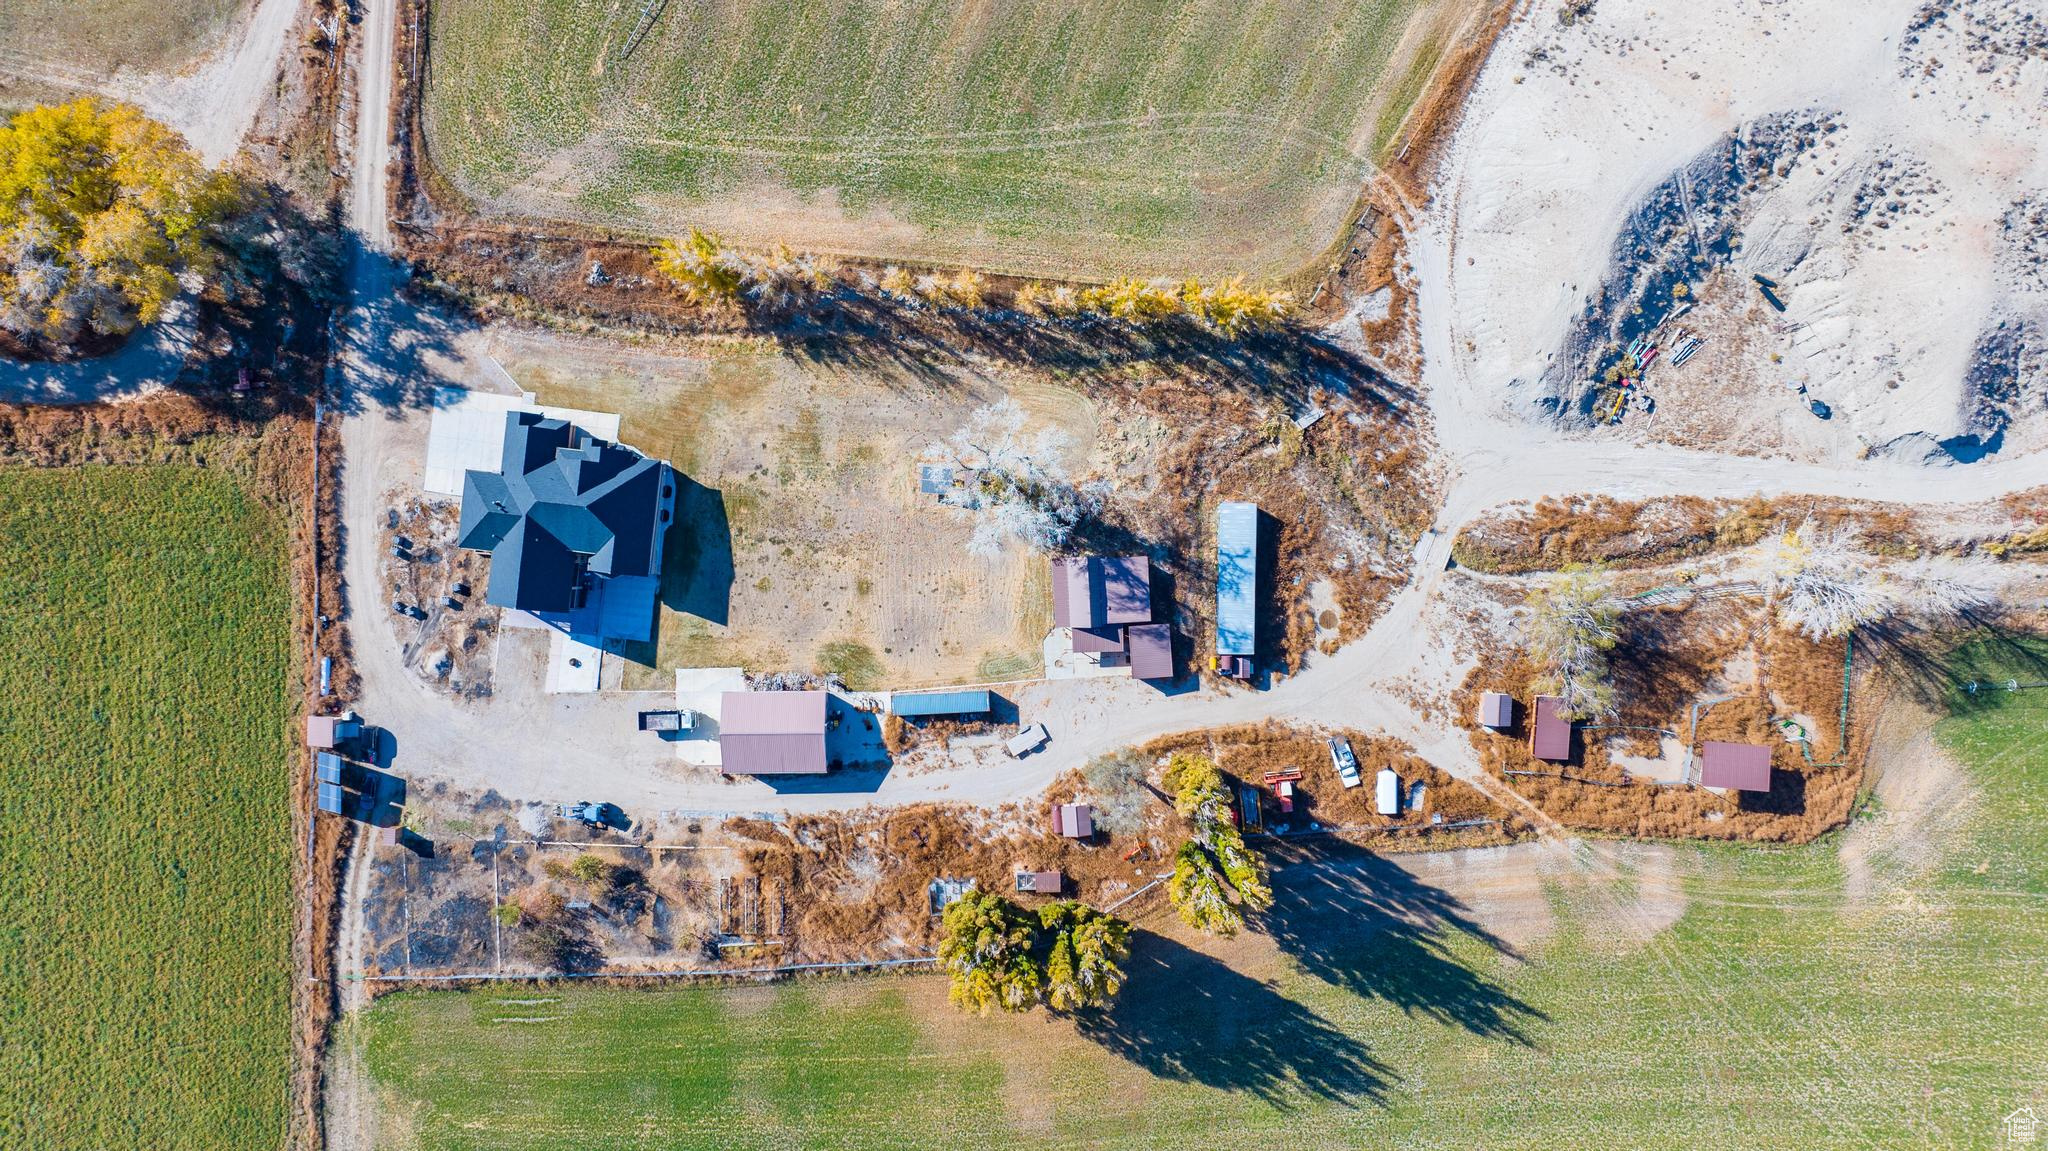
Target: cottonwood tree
[1215,871]
[1116,785]
[101,208]
[986,948]
[1573,623]
[711,273]
[1084,963]
[1825,584]
[1019,488]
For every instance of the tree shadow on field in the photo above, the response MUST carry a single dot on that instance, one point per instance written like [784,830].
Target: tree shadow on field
[869,331]
[1189,1017]
[1934,664]
[1355,920]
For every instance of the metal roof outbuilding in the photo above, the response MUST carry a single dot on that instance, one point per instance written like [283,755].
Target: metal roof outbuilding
[1237,578]
[1552,738]
[772,732]
[1496,710]
[1740,766]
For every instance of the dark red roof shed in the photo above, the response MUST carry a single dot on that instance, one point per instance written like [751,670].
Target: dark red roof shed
[1741,766]
[1551,739]
[1151,648]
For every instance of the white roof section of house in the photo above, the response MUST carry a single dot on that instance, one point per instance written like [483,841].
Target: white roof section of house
[468,432]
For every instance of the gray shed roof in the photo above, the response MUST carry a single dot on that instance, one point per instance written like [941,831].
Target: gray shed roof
[772,732]
[561,504]
[1496,709]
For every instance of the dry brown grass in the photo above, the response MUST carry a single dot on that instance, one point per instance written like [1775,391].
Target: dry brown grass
[1246,752]
[1554,532]
[1665,664]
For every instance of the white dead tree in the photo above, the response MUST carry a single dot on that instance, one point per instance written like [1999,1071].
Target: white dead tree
[1574,620]
[1822,582]
[1017,487]
[1826,585]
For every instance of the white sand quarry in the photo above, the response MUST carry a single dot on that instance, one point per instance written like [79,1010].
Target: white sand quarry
[1887,173]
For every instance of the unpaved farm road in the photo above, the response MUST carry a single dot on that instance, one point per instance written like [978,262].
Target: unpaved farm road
[548,748]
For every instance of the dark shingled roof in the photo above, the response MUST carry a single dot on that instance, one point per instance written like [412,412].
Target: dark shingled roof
[562,503]
[1151,646]
[1101,591]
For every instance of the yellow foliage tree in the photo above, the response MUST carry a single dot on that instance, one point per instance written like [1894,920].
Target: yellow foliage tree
[706,271]
[100,209]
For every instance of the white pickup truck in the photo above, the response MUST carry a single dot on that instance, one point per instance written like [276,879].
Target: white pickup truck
[1345,762]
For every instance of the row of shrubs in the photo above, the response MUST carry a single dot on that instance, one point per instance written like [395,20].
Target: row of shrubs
[709,272]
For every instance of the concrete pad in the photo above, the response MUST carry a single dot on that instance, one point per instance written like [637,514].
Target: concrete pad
[702,690]
[573,668]
[468,432]
[1063,662]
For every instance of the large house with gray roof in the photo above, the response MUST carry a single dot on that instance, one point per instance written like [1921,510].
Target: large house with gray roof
[565,515]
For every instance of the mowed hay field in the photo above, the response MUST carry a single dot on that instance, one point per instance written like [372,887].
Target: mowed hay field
[145,835]
[1039,136]
[44,40]
[1882,988]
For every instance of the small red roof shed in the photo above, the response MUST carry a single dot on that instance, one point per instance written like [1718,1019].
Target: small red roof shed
[1040,882]
[1741,766]
[1552,738]
[1073,820]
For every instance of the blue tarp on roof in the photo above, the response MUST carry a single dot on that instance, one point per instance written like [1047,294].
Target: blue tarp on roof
[1237,578]
[939,703]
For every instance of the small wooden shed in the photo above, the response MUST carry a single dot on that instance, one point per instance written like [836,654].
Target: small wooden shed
[1496,710]
[1040,882]
[1073,820]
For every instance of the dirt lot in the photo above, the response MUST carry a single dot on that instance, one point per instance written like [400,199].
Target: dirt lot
[805,474]
[1753,684]
[837,562]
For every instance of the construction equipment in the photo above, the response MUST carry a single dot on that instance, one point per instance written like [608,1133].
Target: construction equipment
[587,814]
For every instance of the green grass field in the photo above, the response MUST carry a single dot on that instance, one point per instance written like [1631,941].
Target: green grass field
[1043,136]
[145,836]
[1890,996]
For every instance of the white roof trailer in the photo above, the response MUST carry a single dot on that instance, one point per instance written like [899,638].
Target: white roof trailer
[1237,578]
[1388,792]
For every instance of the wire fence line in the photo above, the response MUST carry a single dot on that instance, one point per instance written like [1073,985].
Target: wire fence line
[680,973]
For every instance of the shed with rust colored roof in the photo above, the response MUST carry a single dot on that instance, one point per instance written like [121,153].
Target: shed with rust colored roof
[772,732]
[1740,766]
[1040,882]
[1551,738]
[1151,649]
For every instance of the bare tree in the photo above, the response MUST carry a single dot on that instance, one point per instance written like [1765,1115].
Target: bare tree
[1018,486]
[1825,584]
[1573,623]
[1822,581]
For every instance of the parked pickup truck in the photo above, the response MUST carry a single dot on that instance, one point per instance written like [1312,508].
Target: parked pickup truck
[667,720]
[1027,741]
[1345,762]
